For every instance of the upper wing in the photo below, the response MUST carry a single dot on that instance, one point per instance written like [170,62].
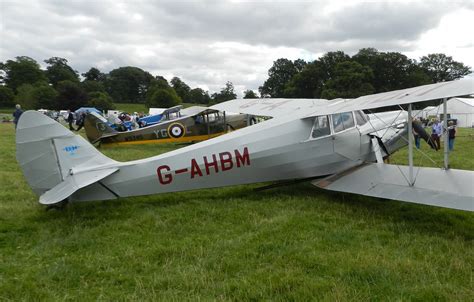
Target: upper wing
[271,107]
[173,109]
[436,187]
[193,110]
[400,97]
[313,107]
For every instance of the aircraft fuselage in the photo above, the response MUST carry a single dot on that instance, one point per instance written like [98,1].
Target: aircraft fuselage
[273,150]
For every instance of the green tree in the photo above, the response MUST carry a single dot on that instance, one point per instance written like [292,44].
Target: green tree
[329,61]
[199,96]
[37,96]
[417,76]
[71,95]
[100,100]
[392,70]
[25,96]
[181,88]
[349,80]
[94,81]
[128,84]
[58,70]
[227,93]
[279,75]
[162,98]
[7,97]
[441,67]
[308,83]
[92,86]
[94,74]
[250,94]
[24,70]
[366,57]
[46,97]
[160,82]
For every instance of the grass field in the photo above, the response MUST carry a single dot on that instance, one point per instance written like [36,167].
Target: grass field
[8,111]
[292,243]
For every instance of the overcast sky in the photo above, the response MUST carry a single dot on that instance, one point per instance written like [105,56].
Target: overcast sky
[207,43]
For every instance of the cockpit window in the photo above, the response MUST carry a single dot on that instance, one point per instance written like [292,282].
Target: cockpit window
[348,120]
[342,121]
[321,127]
[361,118]
[337,122]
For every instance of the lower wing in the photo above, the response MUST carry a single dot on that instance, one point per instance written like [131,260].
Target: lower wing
[433,186]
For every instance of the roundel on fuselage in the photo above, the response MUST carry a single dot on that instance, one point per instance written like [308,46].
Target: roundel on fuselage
[176,130]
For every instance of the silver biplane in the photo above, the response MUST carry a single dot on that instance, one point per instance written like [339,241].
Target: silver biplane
[333,143]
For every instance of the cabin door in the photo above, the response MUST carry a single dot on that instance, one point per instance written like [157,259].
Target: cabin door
[346,136]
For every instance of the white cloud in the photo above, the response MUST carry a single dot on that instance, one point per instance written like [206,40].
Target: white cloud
[454,36]
[209,43]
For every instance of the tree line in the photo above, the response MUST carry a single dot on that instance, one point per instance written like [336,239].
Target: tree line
[338,75]
[333,75]
[59,86]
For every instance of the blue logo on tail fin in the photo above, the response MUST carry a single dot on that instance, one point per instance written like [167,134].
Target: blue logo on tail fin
[71,149]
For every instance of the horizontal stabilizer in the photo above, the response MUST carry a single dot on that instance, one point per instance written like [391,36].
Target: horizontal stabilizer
[72,183]
[433,186]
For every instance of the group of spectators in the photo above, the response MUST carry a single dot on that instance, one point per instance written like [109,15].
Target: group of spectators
[79,120]
[126,122]
[71,118]
[436,133]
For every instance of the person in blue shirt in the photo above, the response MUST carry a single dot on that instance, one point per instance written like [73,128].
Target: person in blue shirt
[436,132]
[16,115]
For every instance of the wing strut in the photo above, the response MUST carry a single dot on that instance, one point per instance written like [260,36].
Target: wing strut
[411,181]
[446,136]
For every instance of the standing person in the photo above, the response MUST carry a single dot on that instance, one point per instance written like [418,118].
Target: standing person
[436,131]
[80,122]
[70,119]
[416,135]
[16,115]
[451,135]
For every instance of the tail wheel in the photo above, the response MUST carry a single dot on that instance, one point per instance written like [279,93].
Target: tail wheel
[176,130]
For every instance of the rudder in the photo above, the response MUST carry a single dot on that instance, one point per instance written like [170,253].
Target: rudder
[49,154]
[97,127]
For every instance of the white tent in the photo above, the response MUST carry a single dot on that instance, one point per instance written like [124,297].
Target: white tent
[461,109]
[154,111]
[426,112]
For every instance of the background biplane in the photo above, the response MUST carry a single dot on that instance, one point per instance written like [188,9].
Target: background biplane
[192,124]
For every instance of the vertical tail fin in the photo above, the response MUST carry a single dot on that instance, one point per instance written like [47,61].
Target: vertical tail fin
[49,155]
[97,127]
